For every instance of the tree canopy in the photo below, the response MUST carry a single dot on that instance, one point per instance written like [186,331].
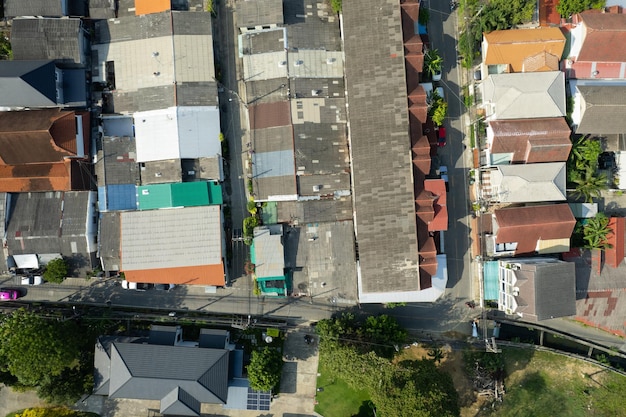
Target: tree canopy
[265,368]
[56,270]
[567,8]
[35,349]
[360,350]
[595,232]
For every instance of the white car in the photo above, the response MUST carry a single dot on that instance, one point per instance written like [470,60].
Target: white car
[127,285]
[32,280]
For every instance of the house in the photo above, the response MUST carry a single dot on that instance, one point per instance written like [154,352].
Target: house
[537,289]
[176,133]
[189,373]
[529,230]
[524,95]
[599,107]
[256,15]
[63,223]
[397,259]
[522,50]
[118,173]
[523,183]
[109,242]
[179,194]
[597,46]
[39,84]
[187,248]
[267,253]
[45,8]
[272,156]
[134,57]
[527,141]
[61,40]
[44,150]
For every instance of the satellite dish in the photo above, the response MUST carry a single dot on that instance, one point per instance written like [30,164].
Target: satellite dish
[268,339]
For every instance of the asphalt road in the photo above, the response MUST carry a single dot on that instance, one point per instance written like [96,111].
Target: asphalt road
[442,29]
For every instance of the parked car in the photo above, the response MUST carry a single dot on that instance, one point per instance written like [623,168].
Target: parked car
[441,137]
[137,286]
[8,294]
[32,280]
[163,287]
[443,173]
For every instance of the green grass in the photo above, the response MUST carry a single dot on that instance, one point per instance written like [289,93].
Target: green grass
[542,384]
[338,399]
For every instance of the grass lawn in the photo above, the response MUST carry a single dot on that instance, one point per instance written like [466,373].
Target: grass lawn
[338,399]
[544,384]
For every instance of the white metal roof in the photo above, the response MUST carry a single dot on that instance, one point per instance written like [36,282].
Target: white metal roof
[177,132]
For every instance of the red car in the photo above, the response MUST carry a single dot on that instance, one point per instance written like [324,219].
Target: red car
[6,294]
[442,136]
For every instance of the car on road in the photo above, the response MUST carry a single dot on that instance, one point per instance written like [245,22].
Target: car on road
[32,280]
[8,294]
[127,285]
[164,287]
[441,137]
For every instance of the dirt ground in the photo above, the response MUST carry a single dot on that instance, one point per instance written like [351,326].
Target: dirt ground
[453,364]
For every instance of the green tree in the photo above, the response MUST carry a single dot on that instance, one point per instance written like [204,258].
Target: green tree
[336,5]
[567,8]
[589,185]
[437,109]
[384,333]
[56,270]
[264,369]
[5,46]
[34,349]
[433,62]
[595,232]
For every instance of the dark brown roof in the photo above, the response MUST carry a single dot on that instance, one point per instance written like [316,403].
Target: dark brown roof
[528,225]
[37,136]
[270,115]
[532,140]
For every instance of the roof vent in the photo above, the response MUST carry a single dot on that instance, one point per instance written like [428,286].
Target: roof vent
[156,73]
[330,60]
[282,63]
[315,93]
[299,62]
[157,174]
[316,188]
[155,54]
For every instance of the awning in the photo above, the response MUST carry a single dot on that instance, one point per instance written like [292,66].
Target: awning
[26,261]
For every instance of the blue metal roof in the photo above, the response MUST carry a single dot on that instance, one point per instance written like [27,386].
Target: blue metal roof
[117,197]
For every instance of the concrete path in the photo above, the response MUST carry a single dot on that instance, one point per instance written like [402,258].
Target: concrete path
[11,400]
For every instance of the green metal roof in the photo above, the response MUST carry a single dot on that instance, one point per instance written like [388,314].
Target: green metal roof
[181,194]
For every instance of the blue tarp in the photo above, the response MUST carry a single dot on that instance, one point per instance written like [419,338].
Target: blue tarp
[490,279]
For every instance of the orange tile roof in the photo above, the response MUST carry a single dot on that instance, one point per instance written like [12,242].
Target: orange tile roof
[35,177]
[511,47]
[548,16]
[438,188]
[151,6]
[187,275]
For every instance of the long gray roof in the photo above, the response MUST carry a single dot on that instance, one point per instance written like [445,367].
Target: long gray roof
[117,162]
[27,84]
[151,372]
[253,13]
[53,8]
[547,290]
[381,158]
[602,109]
[109,240]
[49,38]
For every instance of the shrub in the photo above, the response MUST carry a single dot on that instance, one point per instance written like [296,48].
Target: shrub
[264,369]
[336,5]
[56,271]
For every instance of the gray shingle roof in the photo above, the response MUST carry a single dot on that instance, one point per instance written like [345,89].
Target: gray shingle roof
[144,371]
[27,84]
[180,403]
[213,338]
[109,240]
[311,24]
[57,39]
[13,8]
[602,109]
[117,161]
[102,9]
[381,158]
[252,13]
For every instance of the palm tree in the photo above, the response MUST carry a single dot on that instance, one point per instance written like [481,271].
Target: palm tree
[433,62]
[589,185]
[595,232]
[436,354]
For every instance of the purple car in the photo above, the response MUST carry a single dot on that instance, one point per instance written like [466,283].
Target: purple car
[6,294]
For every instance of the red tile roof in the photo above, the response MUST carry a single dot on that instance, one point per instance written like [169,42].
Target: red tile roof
[528,225]
[605,39]
[532,140]
[438,188]
[548,16]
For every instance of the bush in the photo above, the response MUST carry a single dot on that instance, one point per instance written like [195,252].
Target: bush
[336,5]
[56,270]
[264,369]
[249,223]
